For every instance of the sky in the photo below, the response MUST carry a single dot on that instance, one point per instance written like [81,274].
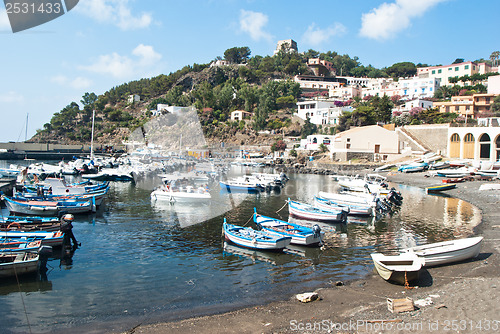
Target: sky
[104,43]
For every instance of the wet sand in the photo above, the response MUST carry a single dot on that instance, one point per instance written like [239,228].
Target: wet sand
[465,296]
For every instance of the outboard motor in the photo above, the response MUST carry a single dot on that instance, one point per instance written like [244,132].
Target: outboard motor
[394,198]
[317,230]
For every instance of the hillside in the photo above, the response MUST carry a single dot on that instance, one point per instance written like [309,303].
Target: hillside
[262,86]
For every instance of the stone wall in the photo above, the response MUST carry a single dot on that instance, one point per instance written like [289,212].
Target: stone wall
[433,136]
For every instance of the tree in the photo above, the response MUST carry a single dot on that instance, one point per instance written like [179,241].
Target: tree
[458,61]
[88,100]
[404,69]
[237,55]
[308,128]
[384,109]
[279,145]
[494,57]
[495,106]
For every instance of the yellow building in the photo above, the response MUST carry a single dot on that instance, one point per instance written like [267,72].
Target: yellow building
[470,106]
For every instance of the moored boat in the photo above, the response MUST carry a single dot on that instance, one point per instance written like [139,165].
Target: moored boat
[17,264]
[402,268]
[446,252]
[250,238]
[440,187]
[353,209]
[48,238]
[301,235]
[311,212]
[48,208]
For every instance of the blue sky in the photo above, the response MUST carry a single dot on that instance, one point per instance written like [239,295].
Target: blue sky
[103,43]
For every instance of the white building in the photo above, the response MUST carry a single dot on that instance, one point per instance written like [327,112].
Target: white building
[444,73]
[415,87]
[413,104]
[494,84]
[313,142]
[320,112]
[160,107]
[134,98]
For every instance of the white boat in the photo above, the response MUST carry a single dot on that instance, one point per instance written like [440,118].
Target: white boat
[348,199]
[352,209]
[402,268]
[372,183]
[181,194]
[16,264]
[446,252]
[452,172]
[310,212]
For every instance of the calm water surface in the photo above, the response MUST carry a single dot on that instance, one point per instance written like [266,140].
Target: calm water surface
[143,261]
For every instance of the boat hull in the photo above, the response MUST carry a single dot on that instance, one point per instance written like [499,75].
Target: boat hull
[400,269]
[18,264]
[254,239]
[447,252]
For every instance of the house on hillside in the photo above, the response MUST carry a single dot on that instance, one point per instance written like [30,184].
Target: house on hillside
[424,104]
[133,98]
[320,112]
[239,115]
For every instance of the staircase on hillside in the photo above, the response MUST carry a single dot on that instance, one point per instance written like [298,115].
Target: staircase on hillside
[415,140]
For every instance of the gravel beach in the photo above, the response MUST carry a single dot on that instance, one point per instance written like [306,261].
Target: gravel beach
[459,298]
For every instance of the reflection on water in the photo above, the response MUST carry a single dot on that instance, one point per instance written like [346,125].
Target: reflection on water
[134,246]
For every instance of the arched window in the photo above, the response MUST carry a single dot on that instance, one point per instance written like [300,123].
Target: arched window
[455,146]
[484,146]
[469,138]
[455,138]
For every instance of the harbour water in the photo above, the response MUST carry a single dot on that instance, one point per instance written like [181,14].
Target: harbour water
[143,261]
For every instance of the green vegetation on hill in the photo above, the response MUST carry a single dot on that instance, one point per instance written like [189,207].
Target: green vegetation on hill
[263,86]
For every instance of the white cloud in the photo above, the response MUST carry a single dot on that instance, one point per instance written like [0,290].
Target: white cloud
[4,20]
[253,23]
[388,19]
[143,63]
[317,36]
[11,97]
[77,83]
[117,12]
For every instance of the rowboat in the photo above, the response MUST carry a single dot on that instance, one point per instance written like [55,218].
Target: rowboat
[48,238]
[350,199]
[446,252]
[413,167]
[9,245]
[29,225]
[186,194]
[440,187]
[17,264]
[354,209]
[250,238]
[48,208]
[300,235]
[401,268]
[311,212]
[241,185]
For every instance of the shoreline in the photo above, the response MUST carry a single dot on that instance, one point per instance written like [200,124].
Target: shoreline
[463,294]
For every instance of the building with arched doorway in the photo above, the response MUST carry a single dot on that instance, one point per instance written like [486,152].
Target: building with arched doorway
[477,143]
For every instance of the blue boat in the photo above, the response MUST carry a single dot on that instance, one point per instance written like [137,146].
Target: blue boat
[301,235]
[249,238]
[413,167]
[238,185]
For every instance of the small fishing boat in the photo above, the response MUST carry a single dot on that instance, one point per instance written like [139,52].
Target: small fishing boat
[350,199]
[241,185]
[48,208]
[181,194]
[311,212]
[17,264]
[48,238]
[300,235]
[250,238]
[413,167]
[402,268]
[29,224]
[8,245]
[441,187]
[446,252]
[352,209]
